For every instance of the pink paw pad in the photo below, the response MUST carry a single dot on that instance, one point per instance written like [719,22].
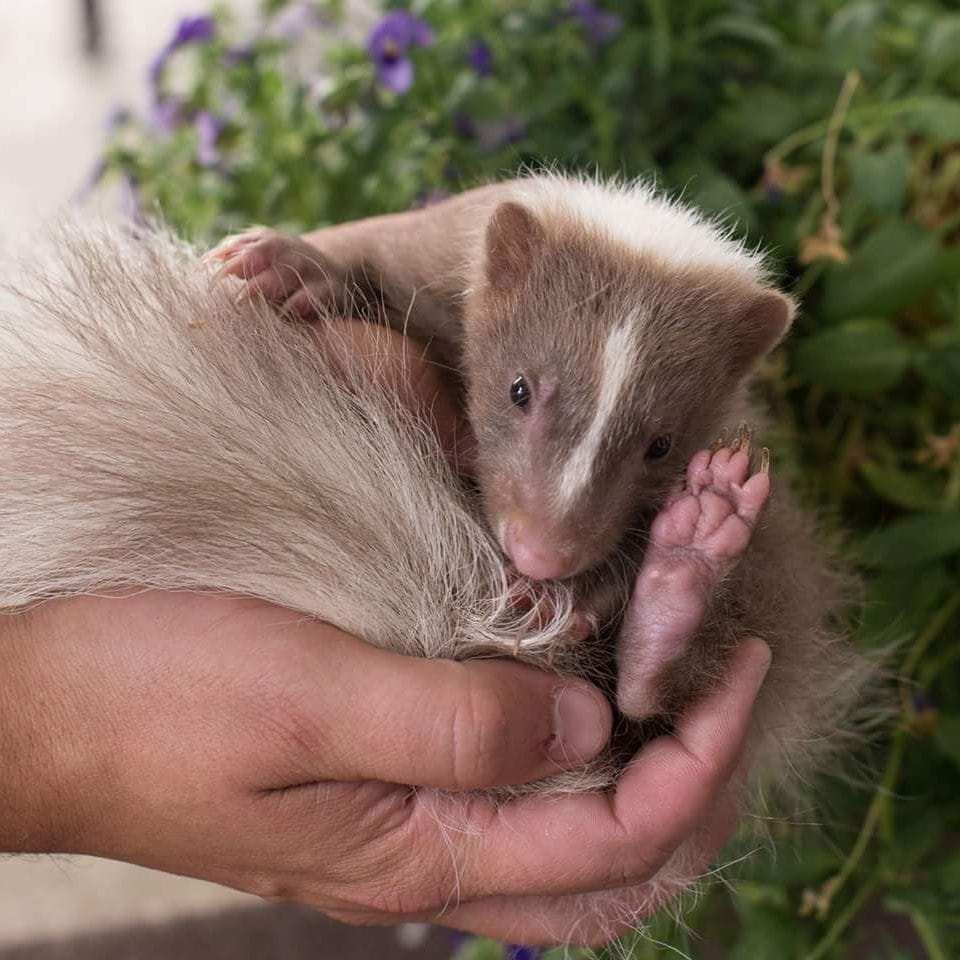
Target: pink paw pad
[720,504]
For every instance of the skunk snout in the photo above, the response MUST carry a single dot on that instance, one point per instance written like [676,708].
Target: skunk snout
[533,553]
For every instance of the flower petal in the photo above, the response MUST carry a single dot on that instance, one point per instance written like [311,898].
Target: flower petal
[398,75]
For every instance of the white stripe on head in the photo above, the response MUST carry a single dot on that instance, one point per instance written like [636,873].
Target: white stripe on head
[649,223]
[619,360]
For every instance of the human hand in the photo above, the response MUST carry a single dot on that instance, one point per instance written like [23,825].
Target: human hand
[234,741]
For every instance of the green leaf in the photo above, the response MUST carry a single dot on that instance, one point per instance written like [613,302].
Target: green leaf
[850,35]
[880,179]
[912,541]
[760,116]
[859,357]
[897,265]
[940,367]
[914,491]
[948,873]
[902,601]
[718,195]
[766,932]
[914,841]
[924,909]
[479,948]
[660,39]
[744,29]
[937,119]
[940,46]
[946,735]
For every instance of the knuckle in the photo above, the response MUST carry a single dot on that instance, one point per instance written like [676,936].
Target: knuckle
[480,727]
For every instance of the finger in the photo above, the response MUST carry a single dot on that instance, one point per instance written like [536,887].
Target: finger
[599,841]
[738,469]
[458,726]
[274,284]
[698,475]
[722,457]
[230,246]
[584,920]
[305,304]
[756,491]
[594,919]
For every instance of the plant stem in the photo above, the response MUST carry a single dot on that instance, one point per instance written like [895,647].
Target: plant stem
[883,792]
[928,936]
[929,634]
[815,131]
[841,922]
[827,186]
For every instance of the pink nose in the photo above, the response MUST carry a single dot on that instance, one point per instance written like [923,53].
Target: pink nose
[533,556]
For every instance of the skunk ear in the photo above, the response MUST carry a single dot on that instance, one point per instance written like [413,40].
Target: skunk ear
[514,237]
[763,324]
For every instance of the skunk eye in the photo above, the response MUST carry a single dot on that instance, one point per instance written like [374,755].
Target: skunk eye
[660,447]
[520,392]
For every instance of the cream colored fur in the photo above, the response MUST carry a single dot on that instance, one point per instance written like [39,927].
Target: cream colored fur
[156,433]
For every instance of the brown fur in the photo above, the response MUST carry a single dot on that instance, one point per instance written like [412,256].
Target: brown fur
[516,289]
[158,434]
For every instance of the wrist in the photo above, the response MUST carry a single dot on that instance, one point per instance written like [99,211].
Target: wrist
[51,745]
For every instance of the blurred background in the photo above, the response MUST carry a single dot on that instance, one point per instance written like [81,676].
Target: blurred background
[829,131]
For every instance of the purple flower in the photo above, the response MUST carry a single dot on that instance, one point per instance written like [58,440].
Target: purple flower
[209,127]
[599,25]
[515,952]
[166,115]
[774,193]
[389,43]
[189,30]
[194,30]
[480,57]
[922,701]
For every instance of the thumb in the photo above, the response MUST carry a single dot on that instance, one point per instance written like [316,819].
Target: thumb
[368,714]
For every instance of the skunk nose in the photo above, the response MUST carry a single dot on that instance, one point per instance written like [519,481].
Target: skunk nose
[533,555]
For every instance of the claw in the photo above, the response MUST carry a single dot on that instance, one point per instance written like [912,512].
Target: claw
[765,460]
[741,440]
[224,251]
[218,254]
[223,271]
[718,444]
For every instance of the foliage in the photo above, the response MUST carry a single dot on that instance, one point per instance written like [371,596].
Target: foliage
[828,130]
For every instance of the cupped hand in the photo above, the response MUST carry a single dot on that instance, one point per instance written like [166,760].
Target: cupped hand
[234,741]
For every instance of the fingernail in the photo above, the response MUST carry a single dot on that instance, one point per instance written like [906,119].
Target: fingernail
[581,724]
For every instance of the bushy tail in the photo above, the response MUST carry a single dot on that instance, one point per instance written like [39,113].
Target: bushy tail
[157,433]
